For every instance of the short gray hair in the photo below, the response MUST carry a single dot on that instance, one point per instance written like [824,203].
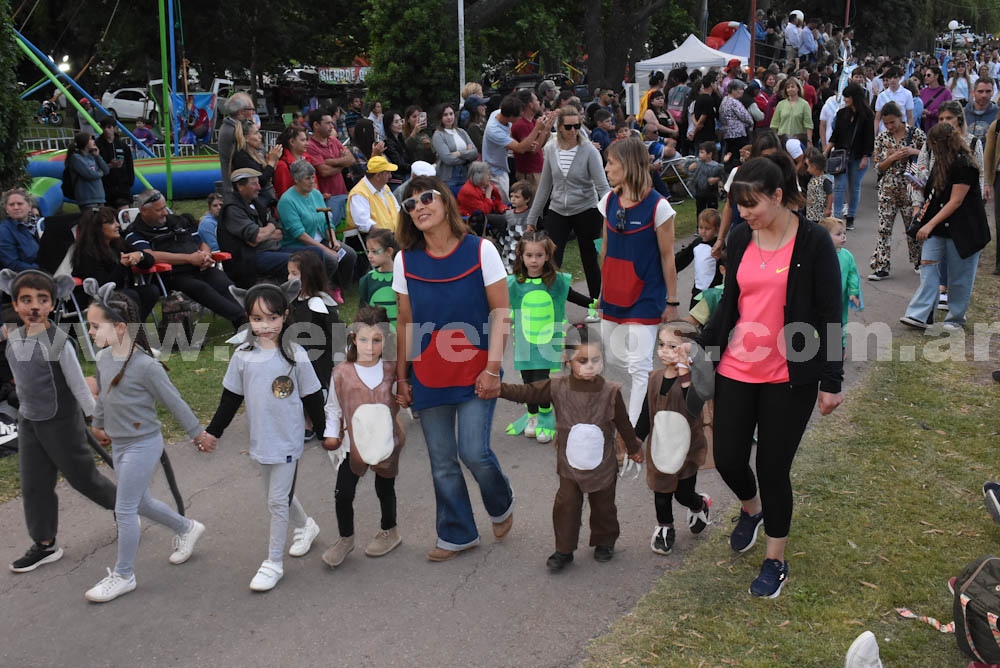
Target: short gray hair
[301,169]
[238,102]
[477,171]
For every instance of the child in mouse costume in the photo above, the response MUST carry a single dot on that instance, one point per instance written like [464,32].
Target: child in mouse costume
[51,431]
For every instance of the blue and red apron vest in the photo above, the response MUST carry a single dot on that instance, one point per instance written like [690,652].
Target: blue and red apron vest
[450,323]
[633,289]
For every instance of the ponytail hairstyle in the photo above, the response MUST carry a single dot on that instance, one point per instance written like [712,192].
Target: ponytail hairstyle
[79,143]
[384,238]
[550,269]
[580,334]
[121,309]
[372,316]
[761,177]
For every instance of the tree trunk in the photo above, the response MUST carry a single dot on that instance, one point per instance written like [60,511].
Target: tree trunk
[616,40]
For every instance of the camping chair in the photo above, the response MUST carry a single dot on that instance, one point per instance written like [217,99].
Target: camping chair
[669,174]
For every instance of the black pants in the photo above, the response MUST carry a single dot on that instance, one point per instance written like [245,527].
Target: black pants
[343,496]
[531,376]
[686,496]
[587,226]
[709,201]
[996,218]
[210,288]
[48,448]
[780,413]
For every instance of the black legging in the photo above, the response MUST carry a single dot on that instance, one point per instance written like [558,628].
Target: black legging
[587,225]
[531,376]
[686,496]
[343,497]
[780,412]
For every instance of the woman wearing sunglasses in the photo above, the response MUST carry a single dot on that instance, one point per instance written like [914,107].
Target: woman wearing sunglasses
[639,287]
[572,182]
[933,95]
[453,285]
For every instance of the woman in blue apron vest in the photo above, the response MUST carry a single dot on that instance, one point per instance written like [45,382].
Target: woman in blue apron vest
[452,324]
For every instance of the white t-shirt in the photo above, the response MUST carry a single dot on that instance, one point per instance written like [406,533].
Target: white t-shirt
[489,258]
[829,113]
[371,376]
[901,97]
[664,211]
[704,266]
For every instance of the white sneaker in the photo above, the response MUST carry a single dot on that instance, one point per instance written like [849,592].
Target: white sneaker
[532,426]
[863,652]
[267,576]
[184,542]
[110,588]
[543,437]
[303,538]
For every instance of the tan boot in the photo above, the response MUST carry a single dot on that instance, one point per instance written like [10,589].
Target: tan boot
[336,553]
[383,543]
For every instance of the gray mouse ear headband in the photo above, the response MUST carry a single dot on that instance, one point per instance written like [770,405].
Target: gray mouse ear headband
[290,289]
[102,296]
[64,284]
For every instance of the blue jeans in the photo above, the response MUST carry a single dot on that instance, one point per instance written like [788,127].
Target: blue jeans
[851,177]
[470,442]
[961,276]
[338,208]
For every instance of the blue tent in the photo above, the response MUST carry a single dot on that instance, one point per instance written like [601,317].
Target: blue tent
[739,43]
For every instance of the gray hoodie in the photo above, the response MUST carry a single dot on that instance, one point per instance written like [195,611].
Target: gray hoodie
[574,192]
[978,122]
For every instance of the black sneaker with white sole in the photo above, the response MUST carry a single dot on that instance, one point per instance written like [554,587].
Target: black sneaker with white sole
[697,521]
[663,540]
[37,555]
[744,535]
[879,275]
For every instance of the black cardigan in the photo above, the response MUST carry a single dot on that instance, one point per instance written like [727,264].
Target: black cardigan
[843,130]
[813,300]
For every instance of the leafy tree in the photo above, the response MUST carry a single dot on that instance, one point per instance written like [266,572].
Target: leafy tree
[414,52]
[15,112]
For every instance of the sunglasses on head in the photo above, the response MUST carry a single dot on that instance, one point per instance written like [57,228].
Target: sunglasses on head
[426,197]
[154,196]
[572,126]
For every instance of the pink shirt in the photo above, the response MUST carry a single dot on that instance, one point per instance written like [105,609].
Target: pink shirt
[756,351]
[328,185]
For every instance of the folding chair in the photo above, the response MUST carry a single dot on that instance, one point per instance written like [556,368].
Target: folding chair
[670,174]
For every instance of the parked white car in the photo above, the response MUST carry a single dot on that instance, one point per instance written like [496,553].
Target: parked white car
[130,104]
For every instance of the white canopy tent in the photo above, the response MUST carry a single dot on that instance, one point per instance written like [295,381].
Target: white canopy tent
[692,53]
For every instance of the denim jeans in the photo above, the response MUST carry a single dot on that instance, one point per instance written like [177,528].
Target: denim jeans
[961,276]
[462,431]
[338,208]
[852,177]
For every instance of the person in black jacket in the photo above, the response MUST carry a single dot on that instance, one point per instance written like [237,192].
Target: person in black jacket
[114,150]
[854,132]
[100,252]
[776,337]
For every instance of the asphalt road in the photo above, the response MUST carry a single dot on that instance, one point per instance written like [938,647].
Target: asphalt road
[496,605]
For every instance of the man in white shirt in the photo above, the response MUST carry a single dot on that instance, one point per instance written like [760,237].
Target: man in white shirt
[893,93]
[792,37]
[370,203]
[827,115]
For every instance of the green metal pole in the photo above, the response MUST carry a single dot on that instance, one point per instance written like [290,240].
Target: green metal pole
[167,111]
[72,100]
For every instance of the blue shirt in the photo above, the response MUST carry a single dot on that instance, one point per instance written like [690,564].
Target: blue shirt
[495,141]
[207,230]
[18,246]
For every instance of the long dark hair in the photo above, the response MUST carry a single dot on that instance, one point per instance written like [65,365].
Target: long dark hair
[272,300]
[364,136]
[860,98]
[288,134]
[761,177]
[311,272]
[90,241]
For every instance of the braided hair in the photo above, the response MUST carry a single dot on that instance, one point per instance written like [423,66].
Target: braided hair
[120,308]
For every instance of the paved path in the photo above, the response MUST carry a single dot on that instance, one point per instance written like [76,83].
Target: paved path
[494,606]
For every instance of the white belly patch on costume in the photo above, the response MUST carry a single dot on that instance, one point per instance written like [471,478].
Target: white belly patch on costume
[585,446]
[373,429]
[670,441]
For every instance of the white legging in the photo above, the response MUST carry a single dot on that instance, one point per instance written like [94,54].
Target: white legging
[279,480]
[134,466]
[630,346]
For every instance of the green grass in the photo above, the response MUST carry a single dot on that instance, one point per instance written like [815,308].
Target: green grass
[888,506]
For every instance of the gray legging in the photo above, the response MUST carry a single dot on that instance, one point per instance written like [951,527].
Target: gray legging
[282,504]
[134,466]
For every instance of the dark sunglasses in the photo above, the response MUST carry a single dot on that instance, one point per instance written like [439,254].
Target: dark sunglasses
[620,220]
[154,196]
[573,126]
[426,197]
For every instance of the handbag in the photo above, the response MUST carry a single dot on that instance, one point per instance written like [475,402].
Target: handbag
[836,164]
[968,226]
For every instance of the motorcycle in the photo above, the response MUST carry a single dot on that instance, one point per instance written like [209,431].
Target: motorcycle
[48,114]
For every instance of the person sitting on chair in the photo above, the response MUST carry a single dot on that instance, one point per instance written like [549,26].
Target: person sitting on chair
[171,240]
[248,233]
[370,203]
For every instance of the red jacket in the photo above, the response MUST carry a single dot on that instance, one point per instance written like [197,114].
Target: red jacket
[471,199]
[282,176]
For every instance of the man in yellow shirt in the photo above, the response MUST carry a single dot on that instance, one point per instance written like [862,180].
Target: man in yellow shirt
[370,203]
